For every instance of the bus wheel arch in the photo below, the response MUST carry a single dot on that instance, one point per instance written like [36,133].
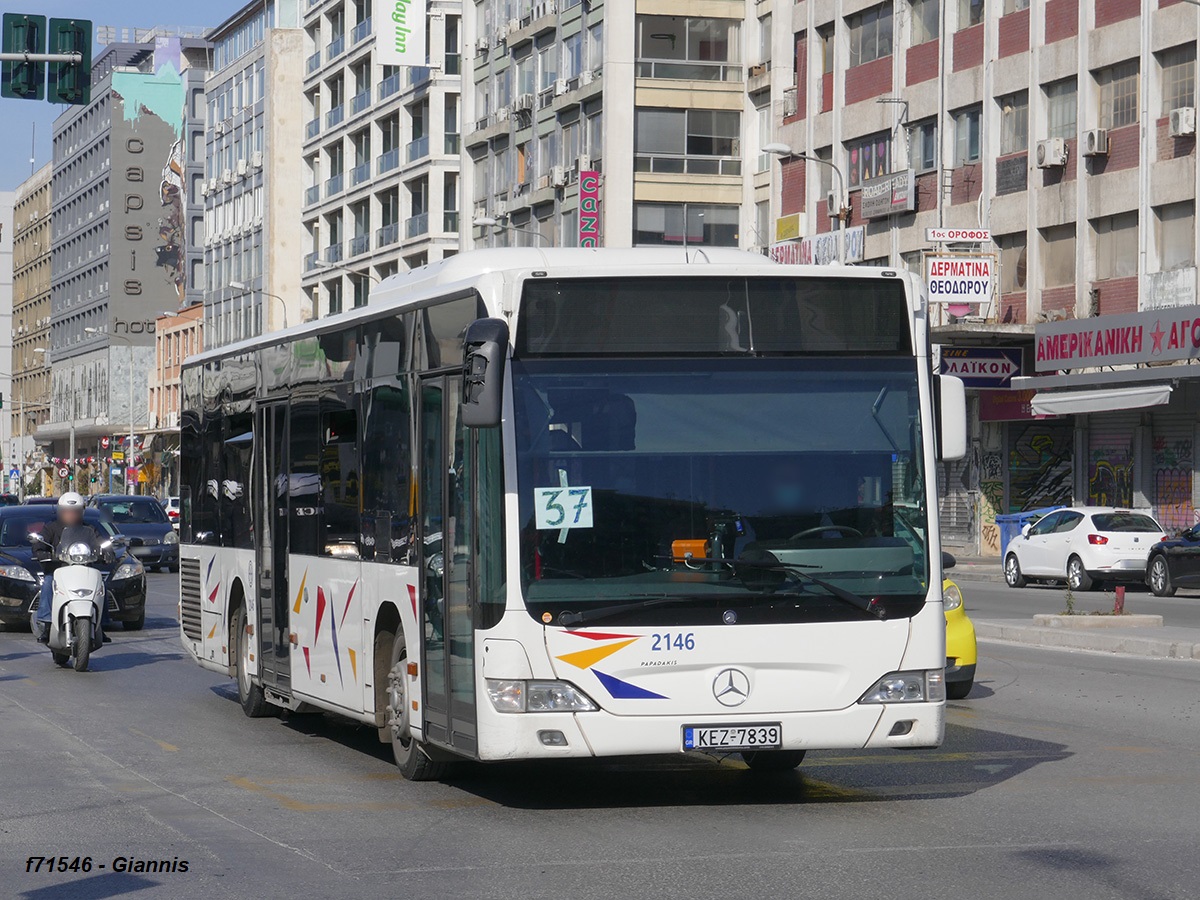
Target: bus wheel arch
[250,695]
[391,662]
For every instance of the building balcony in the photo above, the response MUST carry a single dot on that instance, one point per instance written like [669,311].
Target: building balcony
[450,221]
[334,253]
[388,86]
[690,70]
[360,244]
[335,116]
[335,185]
[416,225]
[417,149]
[360,101]
[388,161]
[314,63]
[361,31]
[687,165]
[359,174]
[387,235]
[453,142]
[311,260]
[312,129]
[336,48]
[312,195]
[418,75]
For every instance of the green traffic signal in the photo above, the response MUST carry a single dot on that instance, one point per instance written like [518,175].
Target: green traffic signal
[71,82]
[20,79]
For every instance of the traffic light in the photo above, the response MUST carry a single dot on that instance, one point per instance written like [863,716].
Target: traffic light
[20,79]
[71,82]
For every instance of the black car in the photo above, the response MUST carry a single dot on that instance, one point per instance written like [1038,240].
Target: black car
[9,500]
[152,537]
[1174,563]
[21,574]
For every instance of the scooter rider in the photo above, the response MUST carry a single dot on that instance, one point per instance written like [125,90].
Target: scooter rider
[70,515]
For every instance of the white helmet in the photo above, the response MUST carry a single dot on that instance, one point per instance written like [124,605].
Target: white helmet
[70,500]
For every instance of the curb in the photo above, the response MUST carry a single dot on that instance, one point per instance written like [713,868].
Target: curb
[970,573]
[1070,639]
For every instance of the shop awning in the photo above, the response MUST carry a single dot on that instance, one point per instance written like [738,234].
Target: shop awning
[1067,403]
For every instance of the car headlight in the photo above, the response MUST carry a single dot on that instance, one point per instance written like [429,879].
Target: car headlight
[170,538]
[128,570]
[19,573]
[951,597]
[927,686]
[537,696]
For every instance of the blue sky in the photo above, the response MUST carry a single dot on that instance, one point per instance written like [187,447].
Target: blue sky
[20,117]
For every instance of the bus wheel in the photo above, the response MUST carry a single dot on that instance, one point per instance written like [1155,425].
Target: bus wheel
[413,761]
[772,760]
[254,704]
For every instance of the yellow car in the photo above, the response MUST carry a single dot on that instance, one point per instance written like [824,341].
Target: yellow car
[960,644]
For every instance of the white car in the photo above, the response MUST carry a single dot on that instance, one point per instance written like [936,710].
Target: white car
[1084,546]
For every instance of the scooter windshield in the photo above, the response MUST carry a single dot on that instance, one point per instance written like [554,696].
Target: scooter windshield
[78,546]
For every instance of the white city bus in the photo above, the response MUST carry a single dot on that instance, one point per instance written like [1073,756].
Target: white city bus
[581,503]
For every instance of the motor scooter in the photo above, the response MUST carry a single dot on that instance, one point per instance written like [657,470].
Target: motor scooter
[79,596]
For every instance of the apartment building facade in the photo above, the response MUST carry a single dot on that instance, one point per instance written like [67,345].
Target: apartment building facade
[253,173]
[1066,128]
[380,153]
[31,313]
[8,201]
[125,218]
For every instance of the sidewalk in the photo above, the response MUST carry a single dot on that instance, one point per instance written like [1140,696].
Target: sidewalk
[976,568]
[1156,643]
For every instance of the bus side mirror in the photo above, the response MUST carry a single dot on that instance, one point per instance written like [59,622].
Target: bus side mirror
[950,409]
[485,348]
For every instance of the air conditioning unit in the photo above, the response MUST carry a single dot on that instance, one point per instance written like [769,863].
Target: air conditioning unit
[219,128]
[482,44]
[543,182]
[227,176]
[560,87]
[558,176]
[583,162]
[524,102]
[758,70]
[1182,122]
[1095,142]
[513,25]
[256,159]
[501,34]
[242,168]
[587,76]
[832,206]
[502,114]
[500,209]
[212,185]
[1051,153]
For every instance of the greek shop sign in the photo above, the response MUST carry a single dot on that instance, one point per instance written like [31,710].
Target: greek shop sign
[1156,336]
[960,279]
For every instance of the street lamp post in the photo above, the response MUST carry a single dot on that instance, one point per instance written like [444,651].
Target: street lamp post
[494,222]
[783,151]
[246,289]
[130,488]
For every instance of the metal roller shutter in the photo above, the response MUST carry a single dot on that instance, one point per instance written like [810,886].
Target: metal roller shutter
[1172,466]
[1110,458]
[1040,455]
[956,509]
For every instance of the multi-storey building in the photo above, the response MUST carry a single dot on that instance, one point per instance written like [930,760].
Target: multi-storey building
[176,337]
[31,312]
[1067,128]
[254,173]
[664,100]
[8,201]
[381,153]
[126,185]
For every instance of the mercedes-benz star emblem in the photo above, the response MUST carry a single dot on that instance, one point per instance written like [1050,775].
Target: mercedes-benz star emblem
[731,687]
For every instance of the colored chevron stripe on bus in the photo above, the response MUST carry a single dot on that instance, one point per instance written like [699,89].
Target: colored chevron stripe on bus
[588,657]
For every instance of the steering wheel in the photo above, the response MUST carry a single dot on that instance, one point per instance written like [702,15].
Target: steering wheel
[820,529]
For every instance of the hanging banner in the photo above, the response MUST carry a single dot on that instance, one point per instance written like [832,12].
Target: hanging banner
[589,209]
[400,32]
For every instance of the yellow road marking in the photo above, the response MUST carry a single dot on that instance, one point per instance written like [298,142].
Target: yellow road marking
[295,805]
[170,748]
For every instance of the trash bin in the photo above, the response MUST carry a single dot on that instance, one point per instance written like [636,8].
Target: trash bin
[1011,524]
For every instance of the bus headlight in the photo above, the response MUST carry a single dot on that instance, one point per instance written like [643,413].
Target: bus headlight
[908,687]
[951,597]
[537,696]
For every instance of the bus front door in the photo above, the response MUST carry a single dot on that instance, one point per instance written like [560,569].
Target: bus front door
[272,501]
[448,644]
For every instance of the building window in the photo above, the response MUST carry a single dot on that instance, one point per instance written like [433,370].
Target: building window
[1116,246]
[870,34]
[970,12]
[967,137]
[1014,123]
[1176,235]
[1012,6]
[1061,108]
[764,39]
[825,35]
[868,158]
[763,113]
[1012,262]
[682,47]
[1058,256]
[922,146]
[692,141]
[926,16]
[1118,94]
[663,223]
[1178,77]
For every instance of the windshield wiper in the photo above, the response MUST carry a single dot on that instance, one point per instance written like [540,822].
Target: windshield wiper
[568,618]
[862,604]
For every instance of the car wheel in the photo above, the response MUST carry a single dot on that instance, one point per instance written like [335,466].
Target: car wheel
[174,569]
[772,760]
[1012,572]
[136,624]
[1160,578]
[958,690]
[1077,576]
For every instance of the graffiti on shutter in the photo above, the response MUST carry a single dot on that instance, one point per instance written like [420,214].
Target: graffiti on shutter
[1173,463]
[1110,459]
[1039,464]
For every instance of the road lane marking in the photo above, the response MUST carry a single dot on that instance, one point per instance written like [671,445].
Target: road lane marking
[291,803]
[170,748]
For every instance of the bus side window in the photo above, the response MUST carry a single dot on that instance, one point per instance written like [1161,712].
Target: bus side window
[339,480]
[386,471]
[304,479]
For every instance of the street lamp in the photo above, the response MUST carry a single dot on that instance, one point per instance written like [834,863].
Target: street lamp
[494,222]
[246,289]
[783,151]
[129,459]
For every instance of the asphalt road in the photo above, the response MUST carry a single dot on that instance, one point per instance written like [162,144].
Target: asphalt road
[1064,775]
[988,600]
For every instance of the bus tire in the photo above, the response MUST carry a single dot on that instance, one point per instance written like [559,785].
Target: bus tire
[412,760]
[250,695]
[772,760]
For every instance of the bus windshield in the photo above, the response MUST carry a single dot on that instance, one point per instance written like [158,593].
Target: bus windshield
[650,479]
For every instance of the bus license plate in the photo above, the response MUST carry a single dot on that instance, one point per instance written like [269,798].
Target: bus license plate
[733,737]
